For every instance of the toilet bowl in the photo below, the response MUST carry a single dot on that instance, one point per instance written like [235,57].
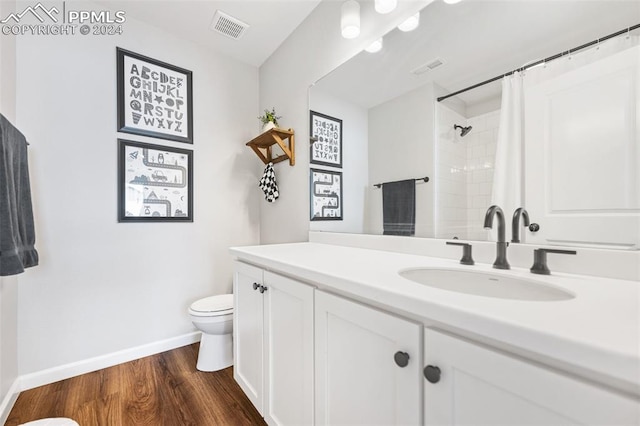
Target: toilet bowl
[214,317]
[53,421]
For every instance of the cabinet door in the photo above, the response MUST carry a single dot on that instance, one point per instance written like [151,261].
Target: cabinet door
[248,341]
[357,379]
[289,351]
[482,386]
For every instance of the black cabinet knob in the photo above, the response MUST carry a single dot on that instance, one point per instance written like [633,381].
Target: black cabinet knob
[255,286]
[534,227]
[263,289]
[432,373]
[401,359]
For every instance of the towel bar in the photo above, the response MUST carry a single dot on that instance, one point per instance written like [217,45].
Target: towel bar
[424,179]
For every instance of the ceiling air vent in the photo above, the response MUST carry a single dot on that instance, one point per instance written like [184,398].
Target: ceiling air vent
[228,25]
[431,65]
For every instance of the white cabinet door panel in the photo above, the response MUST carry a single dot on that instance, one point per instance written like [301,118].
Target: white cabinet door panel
[289,354]
[248,332]
[357,379]
[481,386]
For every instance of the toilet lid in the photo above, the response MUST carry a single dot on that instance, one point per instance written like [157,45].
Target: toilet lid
[222,302]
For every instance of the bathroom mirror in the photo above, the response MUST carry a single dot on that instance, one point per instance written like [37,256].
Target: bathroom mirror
[579,150]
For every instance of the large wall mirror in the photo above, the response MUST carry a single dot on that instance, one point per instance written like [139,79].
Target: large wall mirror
[560,139]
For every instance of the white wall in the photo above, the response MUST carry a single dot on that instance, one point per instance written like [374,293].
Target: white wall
[401,146]
[102,286]
[8,285]
[354,161]
[315,48]
[7,66]
[8,342]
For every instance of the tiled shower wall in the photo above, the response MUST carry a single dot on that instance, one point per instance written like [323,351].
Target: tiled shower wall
[451,181]
[481,154]
[464,173]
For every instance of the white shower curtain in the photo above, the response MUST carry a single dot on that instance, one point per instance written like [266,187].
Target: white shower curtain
[507,177]
[508,182]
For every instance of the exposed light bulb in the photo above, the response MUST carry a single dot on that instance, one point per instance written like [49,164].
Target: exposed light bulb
[385,6]
[411,23]
[376,46]
[350,19]
[451,1]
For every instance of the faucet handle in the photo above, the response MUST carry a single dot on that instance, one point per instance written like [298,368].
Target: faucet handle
[466,259]
[540,260]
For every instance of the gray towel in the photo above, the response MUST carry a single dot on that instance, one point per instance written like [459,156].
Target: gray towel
[17,234]
[399,207]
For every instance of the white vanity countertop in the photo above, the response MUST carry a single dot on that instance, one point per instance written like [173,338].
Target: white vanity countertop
[598,330]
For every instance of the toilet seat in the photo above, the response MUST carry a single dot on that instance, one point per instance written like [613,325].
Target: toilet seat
[213,306]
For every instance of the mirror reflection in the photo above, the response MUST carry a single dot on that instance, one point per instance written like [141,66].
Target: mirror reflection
[558,138]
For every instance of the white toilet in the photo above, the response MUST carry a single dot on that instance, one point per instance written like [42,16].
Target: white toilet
[214,317]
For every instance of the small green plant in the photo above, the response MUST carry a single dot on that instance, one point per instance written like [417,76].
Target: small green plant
[270,116]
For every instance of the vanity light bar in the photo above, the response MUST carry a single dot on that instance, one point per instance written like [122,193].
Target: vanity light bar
[376,46]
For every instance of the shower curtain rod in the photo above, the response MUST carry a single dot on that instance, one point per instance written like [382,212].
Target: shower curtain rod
[541,61]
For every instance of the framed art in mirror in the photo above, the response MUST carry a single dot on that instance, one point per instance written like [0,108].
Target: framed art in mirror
[154,98]
[326,134]
[326,194]
[155,183]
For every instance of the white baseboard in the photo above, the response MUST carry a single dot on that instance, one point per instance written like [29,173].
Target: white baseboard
[55,374]
[9,399]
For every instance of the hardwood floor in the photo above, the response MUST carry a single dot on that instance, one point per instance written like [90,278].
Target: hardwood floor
[160,390]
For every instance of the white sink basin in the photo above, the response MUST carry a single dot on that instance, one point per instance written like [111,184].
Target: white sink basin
[486,284]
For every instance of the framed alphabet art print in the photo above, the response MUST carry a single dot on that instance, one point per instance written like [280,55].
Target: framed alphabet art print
[154,98]
[326,134]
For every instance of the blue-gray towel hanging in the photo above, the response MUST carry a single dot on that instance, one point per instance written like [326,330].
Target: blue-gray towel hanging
[399,207]
[17,233]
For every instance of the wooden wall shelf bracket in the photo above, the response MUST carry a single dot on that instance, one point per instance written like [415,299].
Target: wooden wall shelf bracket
[262,145]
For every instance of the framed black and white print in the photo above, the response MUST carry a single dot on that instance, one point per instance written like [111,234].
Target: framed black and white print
[154,98]
[326,132]
[326,194]
[155,183]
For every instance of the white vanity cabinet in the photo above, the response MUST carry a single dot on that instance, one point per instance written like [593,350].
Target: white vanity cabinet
[273,344]
[367,366]
[479,385]
[307,356]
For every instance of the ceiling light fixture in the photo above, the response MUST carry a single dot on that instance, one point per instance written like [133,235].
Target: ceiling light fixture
[411,23]
[385,6]
[451,1]
[350,19]
[376,46]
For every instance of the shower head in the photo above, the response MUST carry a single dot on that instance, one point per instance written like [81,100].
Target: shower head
[463,130]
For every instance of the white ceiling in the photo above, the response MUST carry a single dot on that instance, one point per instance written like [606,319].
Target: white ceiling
[270,21]
[478,40]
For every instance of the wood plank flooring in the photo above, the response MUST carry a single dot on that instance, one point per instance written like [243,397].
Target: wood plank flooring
[160,390]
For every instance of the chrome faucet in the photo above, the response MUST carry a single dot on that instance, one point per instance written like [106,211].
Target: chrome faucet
[515,225]
[501,245]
